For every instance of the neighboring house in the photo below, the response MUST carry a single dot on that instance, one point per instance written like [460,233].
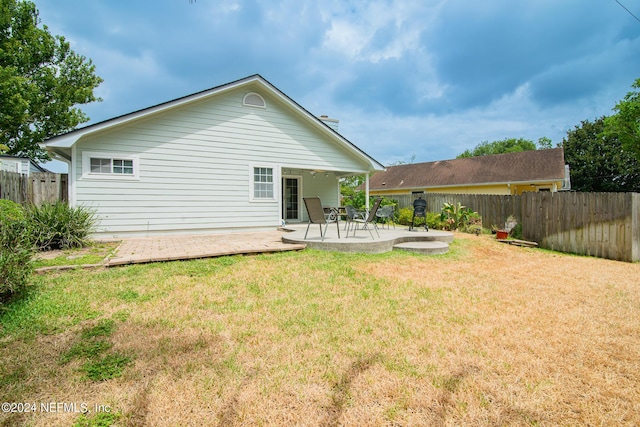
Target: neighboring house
[236,157]
[22,165]
[513,173]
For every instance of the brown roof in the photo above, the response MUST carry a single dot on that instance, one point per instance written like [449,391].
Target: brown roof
[536,165]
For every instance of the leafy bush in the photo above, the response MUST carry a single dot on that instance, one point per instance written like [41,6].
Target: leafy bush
[59,226]
[460,217]
[16,249]
[10,211]
[433,219]
[404,216]
[474,225]
[456,216]
[516,232]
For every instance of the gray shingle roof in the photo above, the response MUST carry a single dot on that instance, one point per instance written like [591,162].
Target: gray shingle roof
[536,165]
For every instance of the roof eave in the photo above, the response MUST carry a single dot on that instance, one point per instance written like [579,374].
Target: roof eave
[481,184]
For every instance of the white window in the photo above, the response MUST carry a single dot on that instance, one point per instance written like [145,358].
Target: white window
[254,100]
[109,166]
[263,181]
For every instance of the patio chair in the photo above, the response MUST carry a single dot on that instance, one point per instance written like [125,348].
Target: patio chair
[419,210]
[370,218]
[385,213]
[351,214]
[318,216]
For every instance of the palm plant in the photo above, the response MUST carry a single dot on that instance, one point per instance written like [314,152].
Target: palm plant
[456,216]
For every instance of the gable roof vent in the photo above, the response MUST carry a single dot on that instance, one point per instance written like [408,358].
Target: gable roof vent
[254,100]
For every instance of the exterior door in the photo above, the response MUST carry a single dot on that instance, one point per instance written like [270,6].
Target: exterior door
[291,199]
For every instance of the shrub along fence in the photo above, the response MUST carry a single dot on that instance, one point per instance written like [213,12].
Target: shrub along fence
[37,188]
[605,225]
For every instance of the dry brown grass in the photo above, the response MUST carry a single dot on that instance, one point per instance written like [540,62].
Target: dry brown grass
[490,335]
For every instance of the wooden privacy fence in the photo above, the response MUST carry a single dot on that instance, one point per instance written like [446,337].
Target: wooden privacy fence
[37,188]
[494,208]
[605,225]
[14,187]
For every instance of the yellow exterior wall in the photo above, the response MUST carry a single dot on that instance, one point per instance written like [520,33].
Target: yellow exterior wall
[501,189]
[475,189]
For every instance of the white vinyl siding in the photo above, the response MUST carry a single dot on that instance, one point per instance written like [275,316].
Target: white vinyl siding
[194,166]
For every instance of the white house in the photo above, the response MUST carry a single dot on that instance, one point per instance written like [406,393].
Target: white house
[21,165]
[236,157]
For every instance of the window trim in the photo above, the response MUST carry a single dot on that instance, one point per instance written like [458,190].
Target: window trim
[86,166]
[252,182]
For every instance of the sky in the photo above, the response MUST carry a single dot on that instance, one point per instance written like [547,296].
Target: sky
[410,81]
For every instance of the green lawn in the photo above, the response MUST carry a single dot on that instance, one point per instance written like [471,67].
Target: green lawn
[488,334]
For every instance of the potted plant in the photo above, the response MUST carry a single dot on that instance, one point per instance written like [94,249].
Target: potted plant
[509,224]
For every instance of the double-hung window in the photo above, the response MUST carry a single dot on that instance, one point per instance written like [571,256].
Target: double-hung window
[263,179]
[263,183]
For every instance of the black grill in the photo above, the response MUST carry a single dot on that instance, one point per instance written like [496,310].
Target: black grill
[419,210]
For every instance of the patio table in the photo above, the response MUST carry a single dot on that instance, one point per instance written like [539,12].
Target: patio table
[337,213]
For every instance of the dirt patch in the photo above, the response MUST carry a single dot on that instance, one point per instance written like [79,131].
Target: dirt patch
[98,249]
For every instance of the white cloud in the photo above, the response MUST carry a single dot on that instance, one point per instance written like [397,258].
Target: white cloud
[345,38]
[378,30]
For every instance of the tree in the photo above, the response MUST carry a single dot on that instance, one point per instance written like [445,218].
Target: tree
[598,161]
[349,190]
[625,124]
[41,81]
[545,143]
[507,145]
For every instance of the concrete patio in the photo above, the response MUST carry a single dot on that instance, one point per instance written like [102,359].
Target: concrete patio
[290,238]
[399,238]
